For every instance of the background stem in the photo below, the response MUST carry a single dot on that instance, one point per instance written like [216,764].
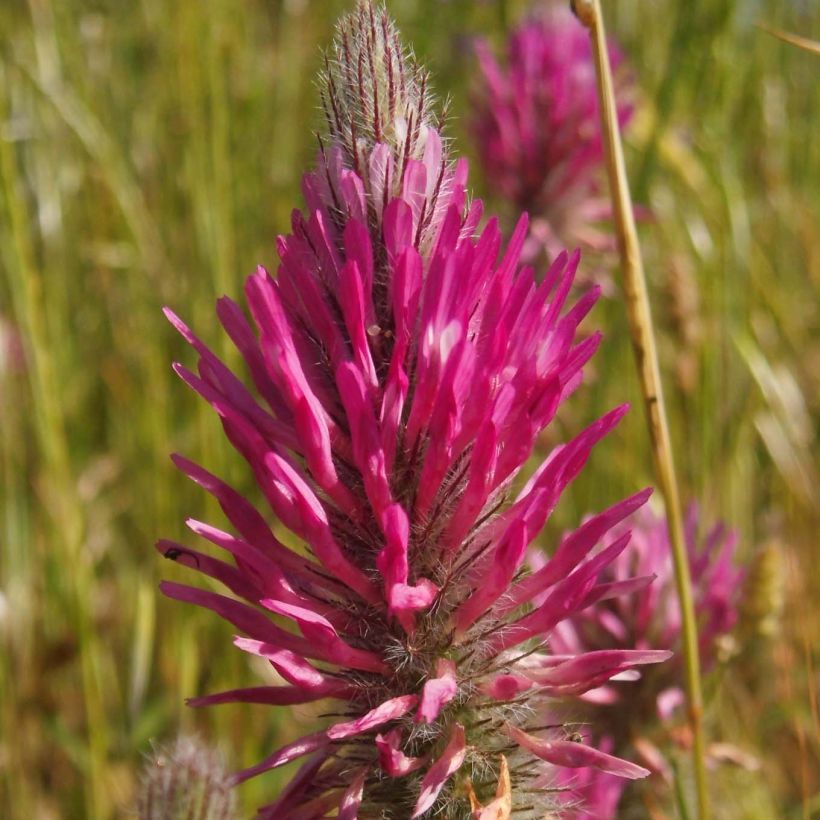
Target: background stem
[643,341]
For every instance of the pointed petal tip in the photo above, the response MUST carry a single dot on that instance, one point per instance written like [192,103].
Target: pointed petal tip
[167,588]
[184,464]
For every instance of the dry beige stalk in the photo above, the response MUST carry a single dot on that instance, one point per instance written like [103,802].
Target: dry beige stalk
[643,341]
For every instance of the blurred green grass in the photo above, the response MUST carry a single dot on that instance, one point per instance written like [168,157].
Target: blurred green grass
[149,154]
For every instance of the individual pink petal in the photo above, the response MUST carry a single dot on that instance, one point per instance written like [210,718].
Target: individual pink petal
[392,560]
[292,793]
[438,691]
[269,695]
[406,600]
[494,580]
[616,589]
[243,617]
[414,185]
[367,449]
[380,174]
[294,668]
[442,770]
[231,577]
[298,505]
[669,700]
[323,639]
[602,696]
[575,755]
[392,759]
[403,599]
[305,745]
[397,228]
[352,798]
[506,687]
[384,713]
[354,196]
[576,675]
[575,547]
[352,301]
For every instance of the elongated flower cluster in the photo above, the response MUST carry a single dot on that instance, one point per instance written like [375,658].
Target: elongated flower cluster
[403,368]
[627,718]
[536,127]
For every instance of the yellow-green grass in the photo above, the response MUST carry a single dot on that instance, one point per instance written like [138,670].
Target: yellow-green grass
[149,154]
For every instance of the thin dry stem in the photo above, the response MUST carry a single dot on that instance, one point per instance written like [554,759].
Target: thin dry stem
[807,44]
[643,342]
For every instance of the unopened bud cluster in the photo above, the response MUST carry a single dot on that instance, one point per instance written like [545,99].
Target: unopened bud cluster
[185,780]
[374,92]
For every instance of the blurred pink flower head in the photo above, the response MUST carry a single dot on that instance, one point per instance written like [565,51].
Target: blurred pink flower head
[403,367]
[652,616]
[626,717]
[537,131]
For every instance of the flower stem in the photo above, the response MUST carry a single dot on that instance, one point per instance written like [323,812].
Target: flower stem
[643,341]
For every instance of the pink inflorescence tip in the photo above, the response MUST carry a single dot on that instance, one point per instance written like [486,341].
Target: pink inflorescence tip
[402,368]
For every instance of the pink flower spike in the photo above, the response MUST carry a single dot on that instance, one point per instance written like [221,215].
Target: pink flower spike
[438,691]
[576,755]
[401,367]
[442,770]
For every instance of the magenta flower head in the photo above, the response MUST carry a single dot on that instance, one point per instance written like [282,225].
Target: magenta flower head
[403,367]
[652,617]
[630,717]
[537,131]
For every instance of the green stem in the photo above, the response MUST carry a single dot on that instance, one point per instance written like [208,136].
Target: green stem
[643,341]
